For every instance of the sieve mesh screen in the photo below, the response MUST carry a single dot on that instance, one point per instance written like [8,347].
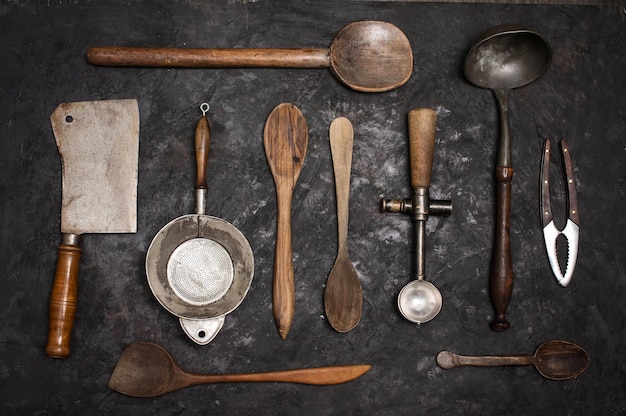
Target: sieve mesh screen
[200,271]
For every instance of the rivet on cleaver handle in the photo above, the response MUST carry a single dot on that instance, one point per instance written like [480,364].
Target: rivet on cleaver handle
[99,146]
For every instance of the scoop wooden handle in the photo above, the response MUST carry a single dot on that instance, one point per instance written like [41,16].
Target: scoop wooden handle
[63,301]
[422,133]
[209,58]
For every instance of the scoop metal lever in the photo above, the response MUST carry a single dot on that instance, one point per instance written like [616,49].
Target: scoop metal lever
[571,229]
[420,301]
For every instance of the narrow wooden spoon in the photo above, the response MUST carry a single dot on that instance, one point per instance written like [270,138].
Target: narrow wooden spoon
[285,138]
[147,370]
[554,359]
[343,299]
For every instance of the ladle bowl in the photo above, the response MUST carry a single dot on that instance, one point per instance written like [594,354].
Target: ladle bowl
[507,56]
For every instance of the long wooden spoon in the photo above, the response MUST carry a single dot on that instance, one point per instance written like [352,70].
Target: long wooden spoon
[343,298]
[285,138]
[147,370]
[369,56]
[554,359]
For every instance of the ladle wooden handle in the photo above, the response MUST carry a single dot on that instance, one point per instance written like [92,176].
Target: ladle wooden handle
[422,133]
[209,58]
[63,299]
[501,272]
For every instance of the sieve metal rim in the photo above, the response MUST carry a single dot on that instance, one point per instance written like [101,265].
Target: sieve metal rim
[191,226]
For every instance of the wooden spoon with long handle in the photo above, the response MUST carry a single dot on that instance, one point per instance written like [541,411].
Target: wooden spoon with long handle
[343,296]
[369,56]
[147,370]
[555,360]
[285,138]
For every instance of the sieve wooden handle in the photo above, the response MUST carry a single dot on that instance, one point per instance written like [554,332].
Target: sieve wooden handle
[203,143]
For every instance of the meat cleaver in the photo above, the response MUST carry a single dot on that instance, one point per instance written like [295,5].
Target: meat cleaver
[99,146]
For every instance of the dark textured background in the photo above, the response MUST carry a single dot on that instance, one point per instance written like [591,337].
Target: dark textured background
[581,97]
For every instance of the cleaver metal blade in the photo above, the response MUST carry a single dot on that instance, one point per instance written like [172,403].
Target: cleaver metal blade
[98,142]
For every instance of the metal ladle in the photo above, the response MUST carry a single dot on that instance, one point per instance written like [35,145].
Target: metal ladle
[420,301]
[505,57]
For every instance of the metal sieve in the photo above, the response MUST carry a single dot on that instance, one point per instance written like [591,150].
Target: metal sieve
[200,267]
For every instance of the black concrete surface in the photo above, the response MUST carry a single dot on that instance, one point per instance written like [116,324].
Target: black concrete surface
[581,97]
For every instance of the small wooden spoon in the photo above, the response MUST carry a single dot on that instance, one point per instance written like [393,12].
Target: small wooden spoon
[369,56]
[147,370]
[555,360]
[343,299]
[286,138]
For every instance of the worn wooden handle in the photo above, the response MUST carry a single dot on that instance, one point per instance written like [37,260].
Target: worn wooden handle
[209,58]
[202,145]
[422,133]
[283,293]
[341,142]
[320,376]
[448,360]
[501,273]
[63,301]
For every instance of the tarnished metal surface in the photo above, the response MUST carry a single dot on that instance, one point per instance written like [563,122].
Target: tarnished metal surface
[99,146]
[190,227]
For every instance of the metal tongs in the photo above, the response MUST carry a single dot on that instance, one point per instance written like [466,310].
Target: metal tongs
[570,231]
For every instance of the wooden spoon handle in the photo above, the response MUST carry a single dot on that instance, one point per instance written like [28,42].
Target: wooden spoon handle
[64,297]
[316,376]
[447,360]
[209,58]
[283,285]
[341,141]
[422,133]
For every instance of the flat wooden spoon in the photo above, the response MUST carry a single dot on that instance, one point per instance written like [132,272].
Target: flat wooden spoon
[343,297]
[285,138]
[554,359]
[369,56]
[147,370]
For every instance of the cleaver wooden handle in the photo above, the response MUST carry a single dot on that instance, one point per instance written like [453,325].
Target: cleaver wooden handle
[64,297]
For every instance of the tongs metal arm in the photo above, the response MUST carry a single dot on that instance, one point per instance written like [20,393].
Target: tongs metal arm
[571,229]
